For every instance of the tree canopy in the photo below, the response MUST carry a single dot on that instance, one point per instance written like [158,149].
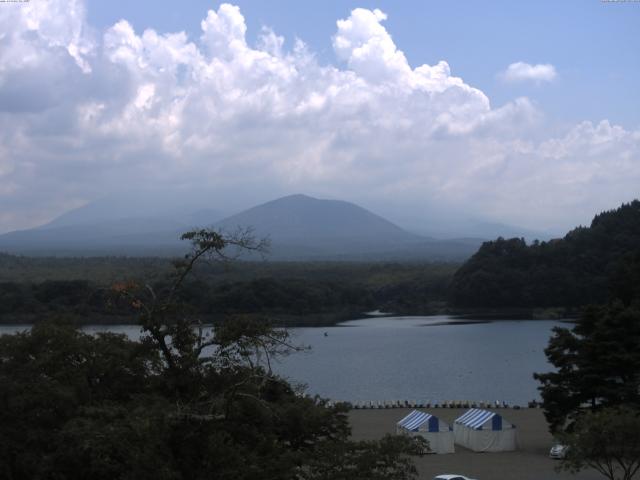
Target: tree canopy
[607,441]
[185,402]
[33,289]
[592,399]
[597,364]
[569,272]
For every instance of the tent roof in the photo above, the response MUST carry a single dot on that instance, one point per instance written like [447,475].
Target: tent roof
[475,418]
[414,420]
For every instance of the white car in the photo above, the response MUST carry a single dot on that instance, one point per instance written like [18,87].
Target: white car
[558,451]
[451,476]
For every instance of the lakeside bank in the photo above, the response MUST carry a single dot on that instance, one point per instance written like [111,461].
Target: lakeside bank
[530,462]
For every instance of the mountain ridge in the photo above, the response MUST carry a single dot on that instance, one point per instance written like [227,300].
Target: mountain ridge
[292,212]
[300,227]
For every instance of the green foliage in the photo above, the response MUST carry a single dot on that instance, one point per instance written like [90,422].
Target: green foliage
[625,281]
[607,441]
[54,376]
[592,399]
[386,459]
[13,297]
[292,293]
[576,270]
[62,292]
[183,403]
[99,270]
[597,365]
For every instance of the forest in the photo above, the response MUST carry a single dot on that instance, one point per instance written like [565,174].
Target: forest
[587,266]
[32,289]
[504,277]
[178,404]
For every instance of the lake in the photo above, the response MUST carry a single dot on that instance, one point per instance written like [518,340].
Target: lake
[433,359]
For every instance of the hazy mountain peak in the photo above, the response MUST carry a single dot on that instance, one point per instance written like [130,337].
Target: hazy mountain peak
[301,216]
[175,207]
[299,226]
[295,197]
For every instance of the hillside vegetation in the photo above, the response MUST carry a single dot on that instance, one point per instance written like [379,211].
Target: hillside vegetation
[33,289]
[587,266]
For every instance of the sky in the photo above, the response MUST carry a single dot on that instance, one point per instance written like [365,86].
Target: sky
[523,113]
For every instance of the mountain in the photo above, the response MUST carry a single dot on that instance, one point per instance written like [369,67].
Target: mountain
[585,266]
[299,227]
[302,227]
[130,236]
[170,207]
[446,222]
[137,223]
[308,219]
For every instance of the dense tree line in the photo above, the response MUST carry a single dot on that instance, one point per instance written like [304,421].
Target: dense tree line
[597,364]
[281,291]
[101,270]
[592,397]
[573,271]
[76,406]
[182,403]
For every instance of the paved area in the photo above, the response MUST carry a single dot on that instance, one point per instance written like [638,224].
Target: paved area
[529,462]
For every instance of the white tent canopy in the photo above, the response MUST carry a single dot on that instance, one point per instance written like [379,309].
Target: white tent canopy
[431,428]
[484,431]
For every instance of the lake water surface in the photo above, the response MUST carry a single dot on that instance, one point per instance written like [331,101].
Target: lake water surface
[413,358]
[422,358]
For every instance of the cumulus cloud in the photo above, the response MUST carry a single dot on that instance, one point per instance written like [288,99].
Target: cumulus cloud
[122,108]
[565,179]
[524,72]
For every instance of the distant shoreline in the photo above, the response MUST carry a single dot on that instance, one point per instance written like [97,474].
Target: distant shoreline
[297,321]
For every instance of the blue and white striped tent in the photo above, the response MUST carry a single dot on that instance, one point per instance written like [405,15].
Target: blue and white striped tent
[484,431]
[436,432]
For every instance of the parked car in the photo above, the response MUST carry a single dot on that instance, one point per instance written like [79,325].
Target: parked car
[451,476]
[558,451]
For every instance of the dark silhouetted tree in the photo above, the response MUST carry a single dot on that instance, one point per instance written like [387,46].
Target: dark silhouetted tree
[185,402]
[607,441]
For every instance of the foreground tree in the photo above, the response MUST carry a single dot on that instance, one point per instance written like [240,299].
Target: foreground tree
[597,365]
[365,460]
[592,400]
[185,402]
[64,398]
[607,441]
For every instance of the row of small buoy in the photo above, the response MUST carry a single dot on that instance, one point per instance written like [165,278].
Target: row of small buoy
[381,404]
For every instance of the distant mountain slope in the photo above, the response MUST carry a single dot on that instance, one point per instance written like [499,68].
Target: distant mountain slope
[452,226]
[578,269]
[300,217]
[127,224]
[133,236]
[299,227]
[169,207]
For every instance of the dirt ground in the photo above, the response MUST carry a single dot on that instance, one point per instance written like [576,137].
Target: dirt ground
[529,462]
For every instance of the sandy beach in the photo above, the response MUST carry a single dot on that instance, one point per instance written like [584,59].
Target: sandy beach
[529,462]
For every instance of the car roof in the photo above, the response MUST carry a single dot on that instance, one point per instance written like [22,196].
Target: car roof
[448,476]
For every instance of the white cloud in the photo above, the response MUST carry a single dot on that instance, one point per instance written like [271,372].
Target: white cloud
[34,32]
[368,49]
[565,180]
[524,72]
[125,108]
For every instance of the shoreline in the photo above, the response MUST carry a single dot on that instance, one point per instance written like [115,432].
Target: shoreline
[529,462]
[282,320]
[444,405]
